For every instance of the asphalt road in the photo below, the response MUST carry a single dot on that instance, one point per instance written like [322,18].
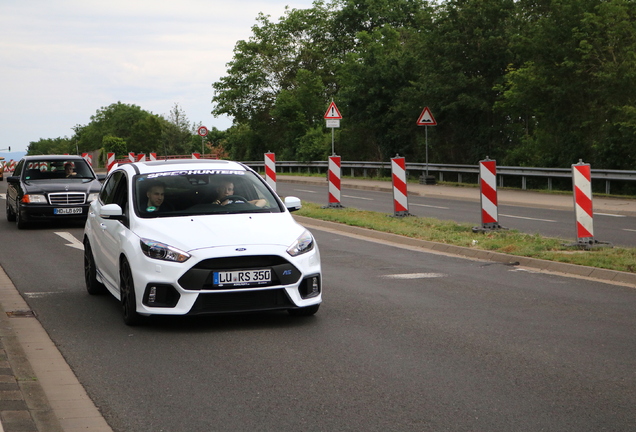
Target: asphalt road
[617,229]
[405,341]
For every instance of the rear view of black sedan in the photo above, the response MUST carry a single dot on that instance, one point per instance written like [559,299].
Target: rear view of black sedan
[50,187]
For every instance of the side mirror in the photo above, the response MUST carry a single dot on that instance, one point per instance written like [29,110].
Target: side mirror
[111,211]
[293,203]
[13,179]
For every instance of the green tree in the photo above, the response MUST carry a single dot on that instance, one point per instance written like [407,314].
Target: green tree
[45,146]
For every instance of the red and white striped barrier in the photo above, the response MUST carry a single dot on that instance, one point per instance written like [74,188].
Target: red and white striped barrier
[400,195]
[88,158]
[153,157]
[270,169]
[141,157]
[334,182]
[110,161]
[582,184]
[131,157]
[196,155]
[488,186]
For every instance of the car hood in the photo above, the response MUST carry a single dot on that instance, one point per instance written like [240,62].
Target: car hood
[33,186]
[197,232]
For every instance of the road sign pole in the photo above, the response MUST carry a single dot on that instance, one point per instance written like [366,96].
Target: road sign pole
[333,151]
[426,145]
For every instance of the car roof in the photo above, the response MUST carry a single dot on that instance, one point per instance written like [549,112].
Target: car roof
[53,157]
[183,164]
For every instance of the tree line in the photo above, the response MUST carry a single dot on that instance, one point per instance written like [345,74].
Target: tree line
[122,128]
[526,82]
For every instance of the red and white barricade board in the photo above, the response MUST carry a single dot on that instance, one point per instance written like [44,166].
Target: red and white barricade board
[88,158]
[270,169]
[334,181]
[110,161]
[153,157]
[488,186]
[131,157]
[400,194]
[582,185]
[196,155]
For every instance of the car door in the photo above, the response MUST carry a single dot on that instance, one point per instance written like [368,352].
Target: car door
[13,188]
[109,233]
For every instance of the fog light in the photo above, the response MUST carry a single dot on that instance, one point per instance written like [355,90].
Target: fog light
[310,287]
[315,287]
[152,295]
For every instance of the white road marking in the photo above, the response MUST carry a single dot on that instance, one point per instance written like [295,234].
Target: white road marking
[609,214]
[304,190]
[415,276]
[528,218]
[74,243]
[630,230]
[3,196]
[39,294]
[431,206]
[356,197]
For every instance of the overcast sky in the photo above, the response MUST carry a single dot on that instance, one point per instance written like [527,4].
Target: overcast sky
[62,60]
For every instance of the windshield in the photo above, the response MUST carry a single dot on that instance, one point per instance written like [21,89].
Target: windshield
[57,169]
[201,192]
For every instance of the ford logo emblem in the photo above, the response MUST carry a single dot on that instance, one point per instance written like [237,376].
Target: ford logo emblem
[241,249]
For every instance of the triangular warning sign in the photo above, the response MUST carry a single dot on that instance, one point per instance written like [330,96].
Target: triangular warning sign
[426,118]
[332,112]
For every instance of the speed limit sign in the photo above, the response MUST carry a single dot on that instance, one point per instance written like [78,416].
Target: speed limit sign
[202,131]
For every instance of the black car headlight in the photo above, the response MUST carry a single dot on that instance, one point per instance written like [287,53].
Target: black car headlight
[303,244]
[161,251]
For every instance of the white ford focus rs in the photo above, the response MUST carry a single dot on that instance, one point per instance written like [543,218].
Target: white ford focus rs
[181,237]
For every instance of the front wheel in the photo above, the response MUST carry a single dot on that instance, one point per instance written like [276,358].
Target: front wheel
[93,286]
[127,293]
[19,220]
[10,213]
[305,311]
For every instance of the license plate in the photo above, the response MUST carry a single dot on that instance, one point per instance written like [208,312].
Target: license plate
[242,278]
[66,211]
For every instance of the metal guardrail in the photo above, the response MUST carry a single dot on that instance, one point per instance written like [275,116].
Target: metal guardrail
[365,168]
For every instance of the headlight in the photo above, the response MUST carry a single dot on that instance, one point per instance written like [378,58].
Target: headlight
[160,251]
[303,244]
[39,199]
[92,197]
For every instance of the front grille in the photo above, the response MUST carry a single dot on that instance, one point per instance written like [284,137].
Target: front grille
[200,276]
[67,198]
[246,301]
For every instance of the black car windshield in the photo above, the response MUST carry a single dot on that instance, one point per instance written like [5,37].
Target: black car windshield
[202,192]
[59,169]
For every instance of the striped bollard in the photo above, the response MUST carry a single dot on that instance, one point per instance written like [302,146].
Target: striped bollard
[334,182]
[196,155]
[400,196]
[131,157]
[582,188]
[488,188]
[270,169]
[110,162]
[153,157]
[141,157]
[582,183]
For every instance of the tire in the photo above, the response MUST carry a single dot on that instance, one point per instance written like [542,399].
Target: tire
[127,294]
[10,213]
[305,311]
[93,286]
[19,220]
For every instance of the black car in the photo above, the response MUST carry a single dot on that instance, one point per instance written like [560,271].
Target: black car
[51,187]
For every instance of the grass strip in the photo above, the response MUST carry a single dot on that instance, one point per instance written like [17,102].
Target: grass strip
[510,242]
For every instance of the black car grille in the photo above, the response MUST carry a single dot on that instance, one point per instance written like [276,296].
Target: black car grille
[246,301]
[199,277]
[67,198]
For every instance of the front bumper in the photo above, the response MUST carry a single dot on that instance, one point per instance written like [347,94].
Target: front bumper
[167,288]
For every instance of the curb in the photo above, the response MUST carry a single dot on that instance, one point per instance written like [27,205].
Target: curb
[573,270]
